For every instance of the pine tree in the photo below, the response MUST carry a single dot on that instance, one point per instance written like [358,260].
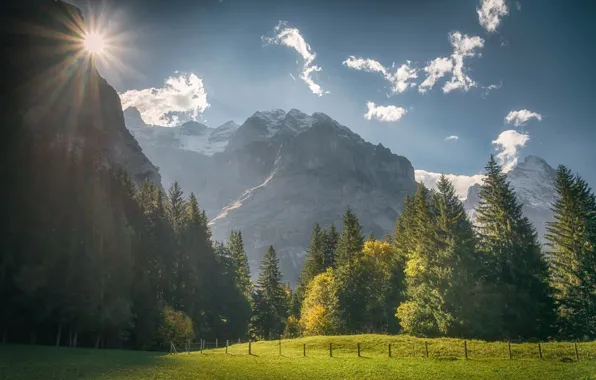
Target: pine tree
[458,269]
[572,240]
[516,267]
[314,262]
[242,269]
[271,299]
[330,238]
[350,240]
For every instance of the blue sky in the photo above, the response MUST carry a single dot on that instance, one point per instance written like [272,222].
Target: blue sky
[538,53]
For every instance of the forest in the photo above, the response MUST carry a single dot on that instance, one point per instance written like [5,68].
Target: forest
[91,259]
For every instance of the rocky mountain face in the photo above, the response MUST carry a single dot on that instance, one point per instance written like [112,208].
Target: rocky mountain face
[533,182]
[277,174]
[52,95]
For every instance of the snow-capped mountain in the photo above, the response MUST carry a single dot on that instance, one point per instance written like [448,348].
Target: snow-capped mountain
[533,182]
[277,174]
[191,136]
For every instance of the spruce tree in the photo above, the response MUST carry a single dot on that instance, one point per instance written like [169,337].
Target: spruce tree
[571,238]
[515,265]
[330,238]
[314,262]
[350,240]
[271,302]
[242,269]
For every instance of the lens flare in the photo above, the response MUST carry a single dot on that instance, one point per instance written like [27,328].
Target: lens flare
[94,43]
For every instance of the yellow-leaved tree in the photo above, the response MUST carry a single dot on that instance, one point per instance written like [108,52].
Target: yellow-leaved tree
[320,310]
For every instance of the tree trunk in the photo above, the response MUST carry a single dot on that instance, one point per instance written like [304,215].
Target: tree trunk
[32,337]
[70,336]
[59,335]
[74,340]
[97,340]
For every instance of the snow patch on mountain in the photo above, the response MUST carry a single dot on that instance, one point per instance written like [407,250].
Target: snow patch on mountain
[192,136]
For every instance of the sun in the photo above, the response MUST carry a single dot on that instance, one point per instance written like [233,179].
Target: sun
[94,43]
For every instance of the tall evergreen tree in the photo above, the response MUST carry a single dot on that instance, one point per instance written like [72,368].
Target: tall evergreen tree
[572,240]
[314,262]
[330,238]
[350,240]
[271,299]
[242,269]
[517,269]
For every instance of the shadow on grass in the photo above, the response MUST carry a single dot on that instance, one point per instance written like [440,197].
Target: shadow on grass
[45,362]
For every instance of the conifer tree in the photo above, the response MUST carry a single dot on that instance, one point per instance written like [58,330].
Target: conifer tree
[242,269]
[572,241]
[314,262]
[350,240]
[516,267]
[330,238]
[271,299]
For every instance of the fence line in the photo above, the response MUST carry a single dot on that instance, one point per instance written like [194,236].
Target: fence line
[190,347]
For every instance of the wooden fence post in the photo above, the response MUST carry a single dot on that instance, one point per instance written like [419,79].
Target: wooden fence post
[576,351]
[540,351]
[216,345]
[509,347]
[358,349]
[426,348]
[389,349]
[226,346]
[201,345]
[249,348]
[189,347]
[330,350]
[280,347]
[466,349]
[304,349]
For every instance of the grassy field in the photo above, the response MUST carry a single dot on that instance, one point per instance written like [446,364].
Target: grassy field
[408,361]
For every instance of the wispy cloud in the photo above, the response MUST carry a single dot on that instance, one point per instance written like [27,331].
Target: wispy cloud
[291,37]
[452,138]
[508,145]
[435,70]
[491,87]
[461,182]
[490,13]
[399,78]
[181,96]
[521,117]
[463,46]
[384,113]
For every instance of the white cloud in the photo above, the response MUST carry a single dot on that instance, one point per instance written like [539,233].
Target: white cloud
[292,38]
[435,70]
[463,46]
[508,145]
[452,138]
[461,182]
[184,94]
[490,13]
[489,88]
[384,113]
[399,78]
[521,117]
[365,64]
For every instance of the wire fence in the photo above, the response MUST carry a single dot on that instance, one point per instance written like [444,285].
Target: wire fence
[562,351]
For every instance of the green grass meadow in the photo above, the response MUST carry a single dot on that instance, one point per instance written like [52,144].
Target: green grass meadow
[446,361]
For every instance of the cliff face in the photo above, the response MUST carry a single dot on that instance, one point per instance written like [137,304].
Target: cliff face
[52,95]
[277,174]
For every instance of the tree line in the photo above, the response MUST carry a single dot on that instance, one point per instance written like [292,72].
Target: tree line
[439,274]
[91,259]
